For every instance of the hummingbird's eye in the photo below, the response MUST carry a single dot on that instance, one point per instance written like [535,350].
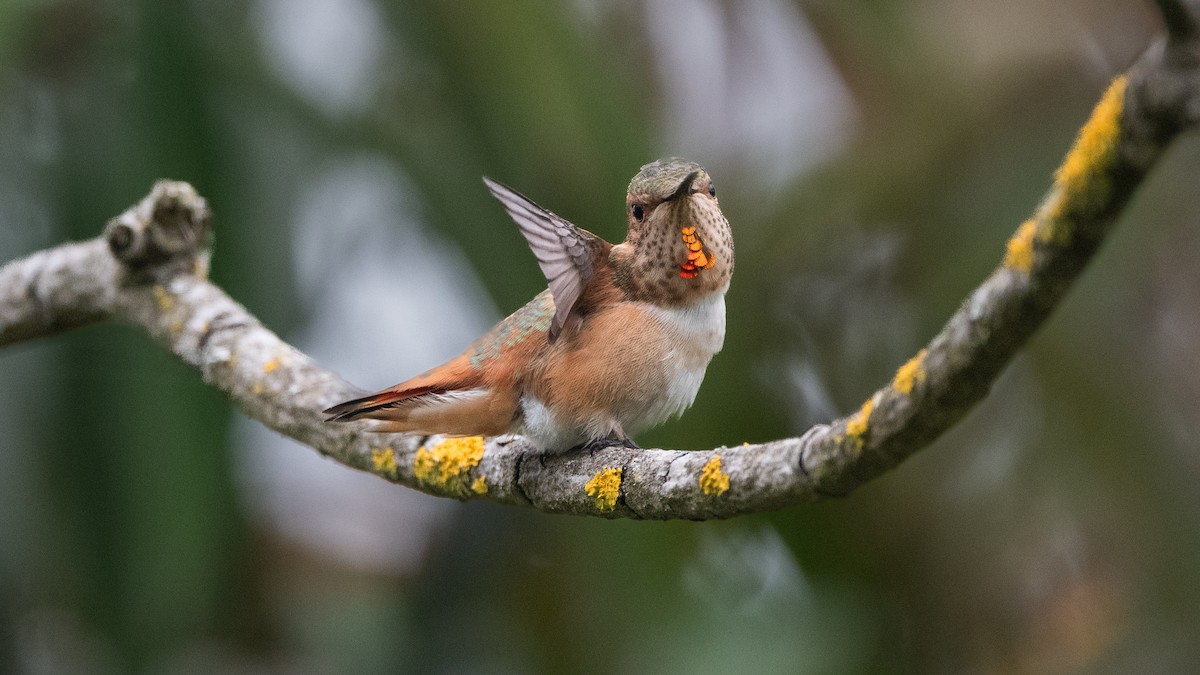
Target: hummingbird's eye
[712,190]
[638,212]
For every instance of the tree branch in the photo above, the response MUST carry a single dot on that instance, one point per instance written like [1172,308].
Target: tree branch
[150,269]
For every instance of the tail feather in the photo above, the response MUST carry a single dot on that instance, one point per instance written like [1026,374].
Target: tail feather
[359,407]
[454,411]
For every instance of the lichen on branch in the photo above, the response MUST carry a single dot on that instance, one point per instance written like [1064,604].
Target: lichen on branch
[150,269]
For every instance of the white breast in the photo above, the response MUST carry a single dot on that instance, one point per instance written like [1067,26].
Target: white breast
[699,333]
[700,325]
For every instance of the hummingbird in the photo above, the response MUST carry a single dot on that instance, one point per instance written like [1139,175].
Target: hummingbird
[617,343]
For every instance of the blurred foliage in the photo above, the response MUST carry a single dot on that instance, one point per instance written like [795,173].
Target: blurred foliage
[1054,530]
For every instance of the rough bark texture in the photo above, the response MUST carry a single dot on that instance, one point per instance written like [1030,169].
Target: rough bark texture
[150,269]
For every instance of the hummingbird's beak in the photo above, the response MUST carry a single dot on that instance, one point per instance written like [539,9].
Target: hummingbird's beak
[685,186]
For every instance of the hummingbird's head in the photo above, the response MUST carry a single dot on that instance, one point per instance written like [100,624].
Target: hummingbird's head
[679,243]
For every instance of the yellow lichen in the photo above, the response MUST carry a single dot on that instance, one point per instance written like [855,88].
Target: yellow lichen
[384,460]
[424,465]
[1082,180]
[271,365]
[163,298]
[479,486]
[857,426]
[1019,255]
[1054,229]
[605,486]
[714,481]
[257,389]
[447,463]
[910,374]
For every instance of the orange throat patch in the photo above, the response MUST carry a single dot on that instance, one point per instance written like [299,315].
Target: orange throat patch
[698,257]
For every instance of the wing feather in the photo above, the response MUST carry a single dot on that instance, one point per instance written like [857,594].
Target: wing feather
[566,254]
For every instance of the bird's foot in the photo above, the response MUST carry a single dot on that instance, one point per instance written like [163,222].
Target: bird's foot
[603,443]
[626,441]
[598,444]
[617,437]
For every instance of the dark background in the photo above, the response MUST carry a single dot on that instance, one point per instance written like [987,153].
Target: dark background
[873,158]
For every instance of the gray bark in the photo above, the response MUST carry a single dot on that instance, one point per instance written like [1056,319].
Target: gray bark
[149,268]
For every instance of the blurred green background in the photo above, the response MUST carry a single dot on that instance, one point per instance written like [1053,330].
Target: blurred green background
[872,156]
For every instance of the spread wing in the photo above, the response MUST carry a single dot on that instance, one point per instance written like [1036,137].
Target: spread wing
[566,254]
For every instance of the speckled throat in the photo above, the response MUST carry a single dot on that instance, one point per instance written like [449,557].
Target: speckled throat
[682,247]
